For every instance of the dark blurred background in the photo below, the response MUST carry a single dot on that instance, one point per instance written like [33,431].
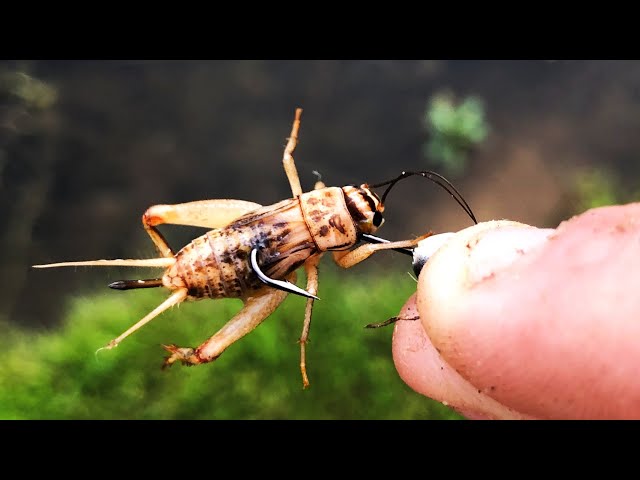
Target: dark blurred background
[87,146]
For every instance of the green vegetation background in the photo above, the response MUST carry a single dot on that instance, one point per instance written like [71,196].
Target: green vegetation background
[55,374]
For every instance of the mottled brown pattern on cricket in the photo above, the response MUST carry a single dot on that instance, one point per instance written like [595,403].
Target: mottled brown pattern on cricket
[216,265]
[329,203]
[336,222]
[316,215]
[329,221]
[283,234]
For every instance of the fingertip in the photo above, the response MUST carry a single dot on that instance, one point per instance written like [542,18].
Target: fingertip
[422,368]
[468,257]
[540,319]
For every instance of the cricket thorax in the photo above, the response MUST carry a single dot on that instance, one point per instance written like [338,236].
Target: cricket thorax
[216,265]
[328,220]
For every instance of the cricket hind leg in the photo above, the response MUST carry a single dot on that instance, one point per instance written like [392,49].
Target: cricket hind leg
[254,312]
[216,213]
[203,213]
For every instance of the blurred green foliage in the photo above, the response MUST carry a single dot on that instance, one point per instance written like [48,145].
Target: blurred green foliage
[454,129]
[597,187]
[55,374]
[32,92]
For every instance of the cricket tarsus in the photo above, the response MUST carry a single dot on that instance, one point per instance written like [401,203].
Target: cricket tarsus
[389,322]
[131,284]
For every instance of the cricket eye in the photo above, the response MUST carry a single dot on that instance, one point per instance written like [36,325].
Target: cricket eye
[377,219]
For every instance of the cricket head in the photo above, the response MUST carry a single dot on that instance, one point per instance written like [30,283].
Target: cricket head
[365,207]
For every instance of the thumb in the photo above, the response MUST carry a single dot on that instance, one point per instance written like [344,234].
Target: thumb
[537,320]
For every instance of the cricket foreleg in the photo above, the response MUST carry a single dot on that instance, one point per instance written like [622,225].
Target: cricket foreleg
[287,159]
[349,258]
[203,213]
[175,298]
[254,312]
[311,267]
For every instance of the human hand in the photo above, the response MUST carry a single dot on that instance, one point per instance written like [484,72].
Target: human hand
[518,322]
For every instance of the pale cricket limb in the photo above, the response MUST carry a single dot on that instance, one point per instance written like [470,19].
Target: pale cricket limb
[349,258]
[311,267]
[287,159]
[256,309]
[176,297]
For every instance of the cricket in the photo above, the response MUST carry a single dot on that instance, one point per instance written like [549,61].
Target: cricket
[252,252]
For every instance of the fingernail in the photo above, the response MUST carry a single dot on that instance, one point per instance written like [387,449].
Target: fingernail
[497,249]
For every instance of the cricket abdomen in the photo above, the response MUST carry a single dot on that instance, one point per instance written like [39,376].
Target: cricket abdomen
[216,264]
[212,267]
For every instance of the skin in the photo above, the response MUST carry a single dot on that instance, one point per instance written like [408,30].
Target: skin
[518,322]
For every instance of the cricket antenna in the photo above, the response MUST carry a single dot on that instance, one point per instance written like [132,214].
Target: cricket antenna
[435,178]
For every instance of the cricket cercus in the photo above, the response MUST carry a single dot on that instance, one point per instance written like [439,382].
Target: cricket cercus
[252,252]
